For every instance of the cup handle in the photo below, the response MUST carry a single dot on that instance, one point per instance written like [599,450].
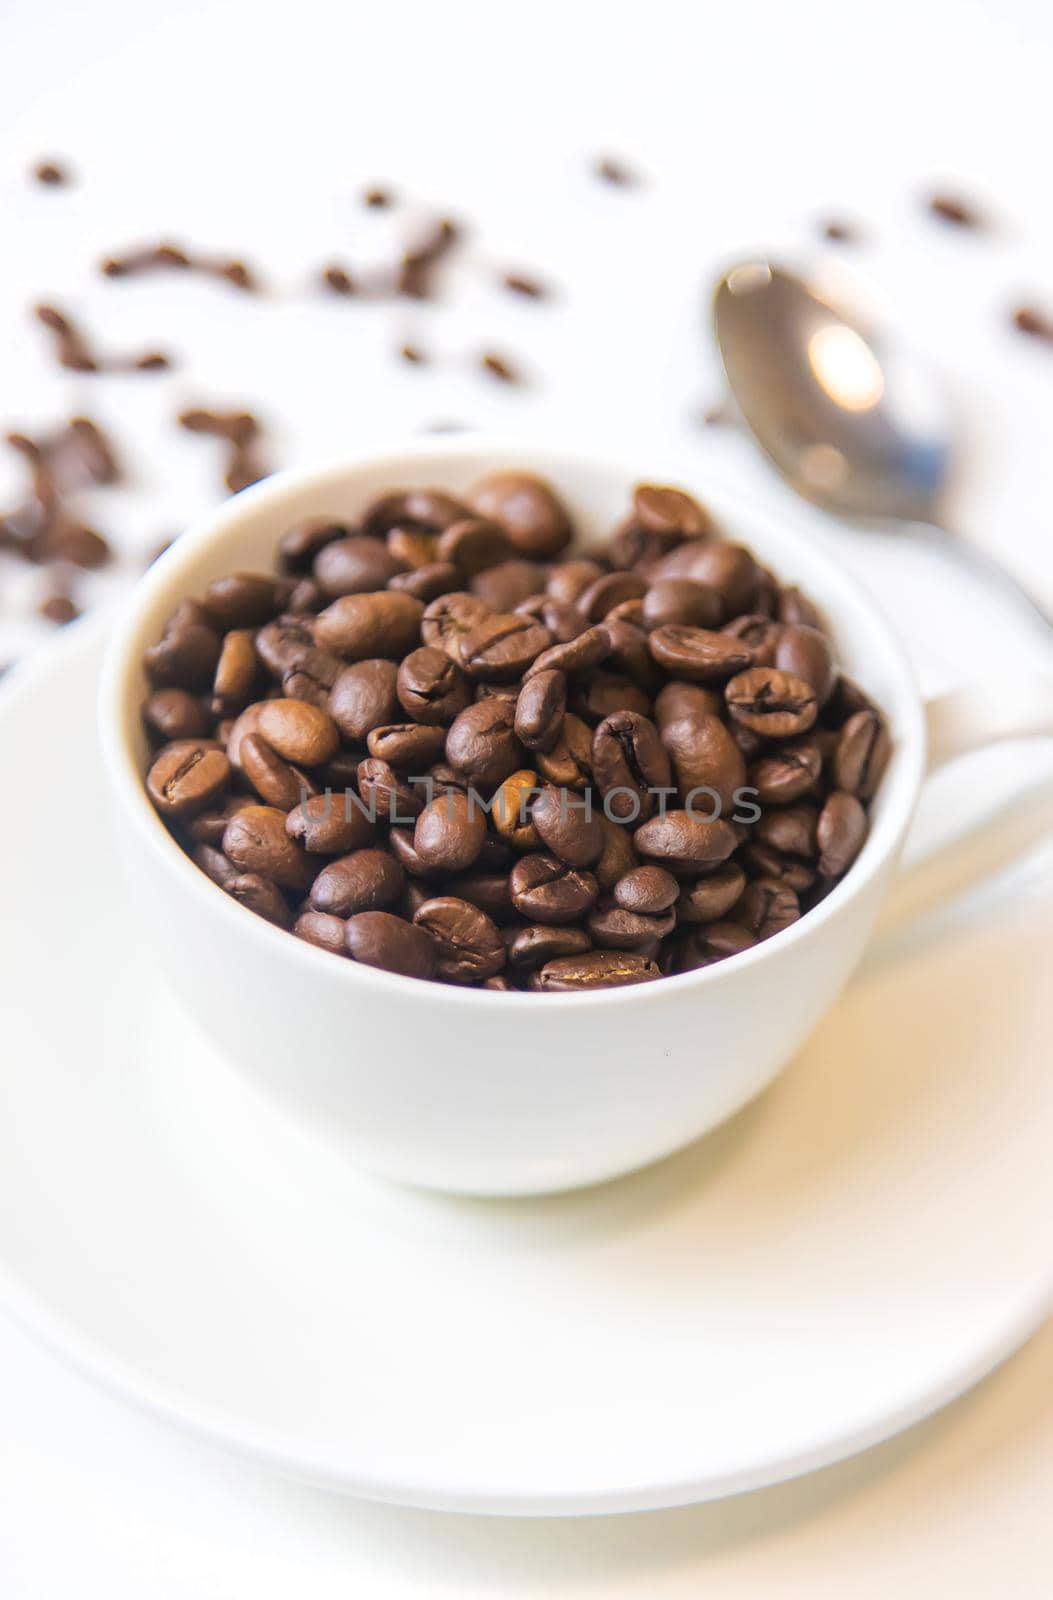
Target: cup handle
[983,714]
[958,723]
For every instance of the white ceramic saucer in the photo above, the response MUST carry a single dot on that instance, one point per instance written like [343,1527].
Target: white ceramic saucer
[854,1250]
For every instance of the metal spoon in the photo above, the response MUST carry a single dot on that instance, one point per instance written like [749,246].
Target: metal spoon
[850,421]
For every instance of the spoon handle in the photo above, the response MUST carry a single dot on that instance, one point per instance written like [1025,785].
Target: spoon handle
[991,571]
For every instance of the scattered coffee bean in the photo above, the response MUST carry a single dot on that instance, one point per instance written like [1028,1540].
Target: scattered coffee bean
[615,172]
[365,880]
[840,832]
[418,267]
[380,939]
[598,969]
[1034,322]
[74,349]
[951,208]
[338,279]
[52,174]
[468,945]
[377,197]
[649,890]
[59,608]
[322,929]
[499,367]
[525,284]
[167,256]
[839,232]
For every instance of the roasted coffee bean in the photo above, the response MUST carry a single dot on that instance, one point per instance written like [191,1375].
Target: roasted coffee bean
[257,893]
[629,653]
[502,646]
[861,754]
[186,655]
[214,864]
[789,772]
[678,699]
[431,688]
[563,621]
[365,880]
[629,765]
[256,841]
[681,840]
[568,765]
[473,544]
[331,824]
[385,796]
[274,780]
[510,584]
[698,655]
[759,634]
[244,599]
[794,607]
[426,583]
[617,858]
[728,569]
[481,743]
[805,653]
[284,644]
[361,626]
[527,509]
[378,939]
[569,579]
[450,618]
[413,548]
[300,544]
[614,928]
[408,746]
[208,827]
[545,889]
[608,591]
[428,509]
[449,832]
[468,946]
[709,768]
[400,842]
[603,693]
[790,830]
[175,714]
[767,906]
[649,890]
[510,809]
[712,897]
[666,510]
[540,707]
[766,862]
[356,565]
[364,697]
[322,929]
[774,704]
[598,969]
[580,654]
[531,947]
[680,602]
[298,731]
[716,941]
[840,832]
[567,826]
[490,891]
[187,777]
[235,673]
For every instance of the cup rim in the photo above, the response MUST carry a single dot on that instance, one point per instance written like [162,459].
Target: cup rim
[121,665]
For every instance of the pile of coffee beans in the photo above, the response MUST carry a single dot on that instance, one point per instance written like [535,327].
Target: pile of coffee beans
[437,743]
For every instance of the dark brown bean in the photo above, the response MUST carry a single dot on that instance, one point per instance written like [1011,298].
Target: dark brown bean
[449,832]
[385,796]
[364,697]
[323,930]
[427,583]
[331,824]
[214,864]
[544,889]
[365,880]
[256,841]
[507,586]
[617,856]
[598,969]
[805,653]
[663,509]
[679,839]
[568,764]
[759,634]
[728,569]
[568,826]
[257,893]
[356,565]
[698,655]
[468,946]
[378,939]
[187,777]
[361,626]
[299,544]
[787,773]
[408,746]
[235,673]
[614,928]
[767,906]
[790,830]
[298,731]
[449,618]
[608,591]
[862,754]
[502,646]
[580,654]
[527,508]
[174,714]
[712,897]
[531,947]
[649,890]
[274,780]
[473,544]
[431,688]
[569,580]
[481,743]
[772,703]
[490,891]
[681,601]
[630,766]
[539,712]
[840,832]
[244,599]
[510,810]
[428,509]
[186,655]
[716,941]
[705,758]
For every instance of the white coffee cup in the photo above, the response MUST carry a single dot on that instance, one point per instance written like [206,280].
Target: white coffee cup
[507,1093]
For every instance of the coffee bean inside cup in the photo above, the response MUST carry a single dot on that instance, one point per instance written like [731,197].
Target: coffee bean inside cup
[437,741]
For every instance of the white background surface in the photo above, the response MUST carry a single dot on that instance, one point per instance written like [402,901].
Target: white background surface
[251,128]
